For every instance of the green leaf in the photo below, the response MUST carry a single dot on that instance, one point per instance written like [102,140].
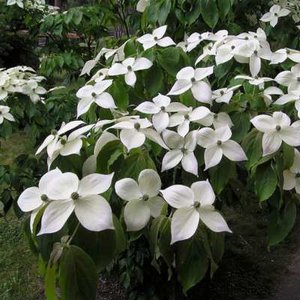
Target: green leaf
[77,275]
[281,223]
[154,81]
[224,8]
[136,162]
[50,282]
[221,174]
[164,11]
[191,262]
[120,94]
[241,126]
[288,156]
[252,145]
[265,181]
[209,12]
[169,58]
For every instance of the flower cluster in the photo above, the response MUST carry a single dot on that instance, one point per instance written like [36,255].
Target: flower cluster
[195,137]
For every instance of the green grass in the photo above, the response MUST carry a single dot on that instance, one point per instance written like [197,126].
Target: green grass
[19,278]
[18,267]
[18,143]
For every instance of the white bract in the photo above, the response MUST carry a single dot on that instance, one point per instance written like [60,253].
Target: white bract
[276,128]
[192,205]
[291,79]
[142,197]
[34,198]
[281,55]
[272,16]
[224,95]
[134,132]
[156,38]
[200,115]
[90,94]
[67,194]
[5,114]
[291,97]
[52,139]
[13,2]
[128,68]
[291,178]
[192,79]
[217,143]
[160,109]
[181,150]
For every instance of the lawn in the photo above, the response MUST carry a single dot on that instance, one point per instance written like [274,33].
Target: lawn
[19,278]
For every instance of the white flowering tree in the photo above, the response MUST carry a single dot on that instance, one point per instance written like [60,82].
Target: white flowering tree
[164,132]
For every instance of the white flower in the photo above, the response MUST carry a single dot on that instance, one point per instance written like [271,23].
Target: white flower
[272,16]
[69,145]
[34,198]
[134,132]
[142,5]
[291,179]
[13,2]
[201,115]
[156,38]
[208,50]
[281,55]
[33,90]
[160,109]
[260,81]
[190,78]
[5,114]
[217,143]
[224,95]
[69,194]
[142,197]
[276,129]
[128,67]
[193,204]
[90,94]
[269,92]
[52,139]
[291,79]
[182,150]
[221,119]
[291,97]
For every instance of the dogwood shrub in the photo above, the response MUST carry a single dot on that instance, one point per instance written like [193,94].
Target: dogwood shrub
[166,133]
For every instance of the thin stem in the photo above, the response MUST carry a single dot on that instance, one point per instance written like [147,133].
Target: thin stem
[73,234]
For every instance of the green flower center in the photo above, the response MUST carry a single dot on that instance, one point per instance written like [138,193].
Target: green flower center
[63,141]
[137,126]
[145,198]
[219,143]
[74,196]
[129,68]
[197,204]
[278,127]
[163,108]
[193,79]
[54,132]
[222,93]
[44,197]
[187,117]
[94,94]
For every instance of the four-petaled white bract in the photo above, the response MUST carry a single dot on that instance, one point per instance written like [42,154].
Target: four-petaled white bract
[156,38]
[193,204]
[5,114]
[128,67]
[63,193]
[217,143]
[192,79]
[142,197]
[276,129]
[275,12]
